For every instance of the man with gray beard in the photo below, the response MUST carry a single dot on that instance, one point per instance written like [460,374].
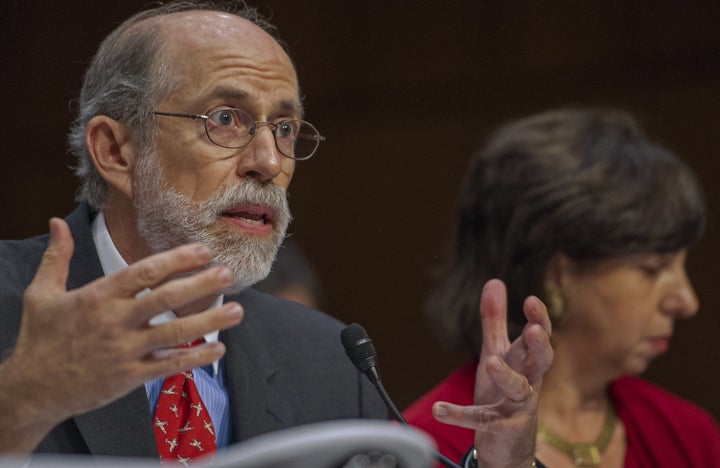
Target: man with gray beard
[189,128]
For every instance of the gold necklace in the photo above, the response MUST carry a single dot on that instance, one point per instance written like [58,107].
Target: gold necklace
[584,454]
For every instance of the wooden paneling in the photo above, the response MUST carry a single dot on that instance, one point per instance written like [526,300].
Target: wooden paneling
[404,91]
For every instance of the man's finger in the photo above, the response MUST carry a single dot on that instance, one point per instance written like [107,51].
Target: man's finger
[187,329]
[157,268]
[536,312]
[171,361]
[179,292]
[540,352]
[531,351]
[470,417]
[493,315]
[514,385]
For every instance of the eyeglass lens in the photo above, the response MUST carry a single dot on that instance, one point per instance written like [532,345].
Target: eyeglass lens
[233,128]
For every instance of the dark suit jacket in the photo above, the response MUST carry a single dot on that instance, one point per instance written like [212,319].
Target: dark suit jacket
[284,364]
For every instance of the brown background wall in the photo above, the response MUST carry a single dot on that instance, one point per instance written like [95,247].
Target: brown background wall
[404,91]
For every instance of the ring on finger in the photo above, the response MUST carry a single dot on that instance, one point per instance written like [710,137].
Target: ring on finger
[524,400]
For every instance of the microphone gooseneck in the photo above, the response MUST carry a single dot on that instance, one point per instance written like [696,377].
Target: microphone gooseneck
[359,348]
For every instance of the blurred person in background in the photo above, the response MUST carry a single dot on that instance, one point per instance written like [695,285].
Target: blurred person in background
[579,208]
[293,277]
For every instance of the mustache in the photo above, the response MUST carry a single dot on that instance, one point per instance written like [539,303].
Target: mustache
[252,192]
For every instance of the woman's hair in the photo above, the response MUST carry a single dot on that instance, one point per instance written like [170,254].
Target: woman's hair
[128,76]
[585,183]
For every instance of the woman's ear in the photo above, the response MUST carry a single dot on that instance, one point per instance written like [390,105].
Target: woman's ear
[113,151]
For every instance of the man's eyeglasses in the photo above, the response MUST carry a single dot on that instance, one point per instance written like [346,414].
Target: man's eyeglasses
[234,128]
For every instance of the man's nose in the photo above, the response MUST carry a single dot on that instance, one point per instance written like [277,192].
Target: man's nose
[261,158]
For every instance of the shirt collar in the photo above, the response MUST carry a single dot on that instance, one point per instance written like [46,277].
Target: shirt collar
[112,262]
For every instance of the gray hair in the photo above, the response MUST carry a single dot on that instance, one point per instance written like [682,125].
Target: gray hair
[128,76]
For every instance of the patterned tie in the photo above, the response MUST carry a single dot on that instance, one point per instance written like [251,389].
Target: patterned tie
[183,428]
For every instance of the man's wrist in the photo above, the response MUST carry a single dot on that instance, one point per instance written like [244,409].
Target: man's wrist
[469,460]
[24,424]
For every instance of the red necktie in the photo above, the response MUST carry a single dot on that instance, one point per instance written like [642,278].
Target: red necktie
[183,428]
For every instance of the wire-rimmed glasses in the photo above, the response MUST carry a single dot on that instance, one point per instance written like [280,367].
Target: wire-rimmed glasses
[234,128]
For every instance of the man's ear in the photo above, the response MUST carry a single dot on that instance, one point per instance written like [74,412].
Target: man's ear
[113,150]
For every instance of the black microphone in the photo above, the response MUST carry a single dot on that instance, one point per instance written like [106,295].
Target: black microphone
[359,348]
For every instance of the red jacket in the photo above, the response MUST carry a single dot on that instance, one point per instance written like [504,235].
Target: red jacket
[663,430]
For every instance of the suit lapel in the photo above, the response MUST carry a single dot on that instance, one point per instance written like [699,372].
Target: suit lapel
[85,264]
[121,428]
[124,427]
[256,406]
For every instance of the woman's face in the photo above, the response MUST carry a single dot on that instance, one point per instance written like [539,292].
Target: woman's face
[620,312]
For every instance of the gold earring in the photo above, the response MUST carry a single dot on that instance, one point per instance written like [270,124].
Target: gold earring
[556,305]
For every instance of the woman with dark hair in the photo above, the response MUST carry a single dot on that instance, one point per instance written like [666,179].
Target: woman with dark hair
[580,209]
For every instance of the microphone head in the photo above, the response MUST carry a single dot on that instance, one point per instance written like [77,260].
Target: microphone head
[358,346]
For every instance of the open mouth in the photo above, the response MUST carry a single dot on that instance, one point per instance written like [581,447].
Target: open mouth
[253,218]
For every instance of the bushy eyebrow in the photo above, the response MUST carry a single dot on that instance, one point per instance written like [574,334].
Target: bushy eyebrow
[237,95]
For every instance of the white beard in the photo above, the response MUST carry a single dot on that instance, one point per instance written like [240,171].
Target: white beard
[166,219]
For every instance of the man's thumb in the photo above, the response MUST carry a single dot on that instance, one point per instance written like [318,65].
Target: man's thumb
[52,273]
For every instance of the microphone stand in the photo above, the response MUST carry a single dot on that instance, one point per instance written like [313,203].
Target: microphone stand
[374,377]
[358,346]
